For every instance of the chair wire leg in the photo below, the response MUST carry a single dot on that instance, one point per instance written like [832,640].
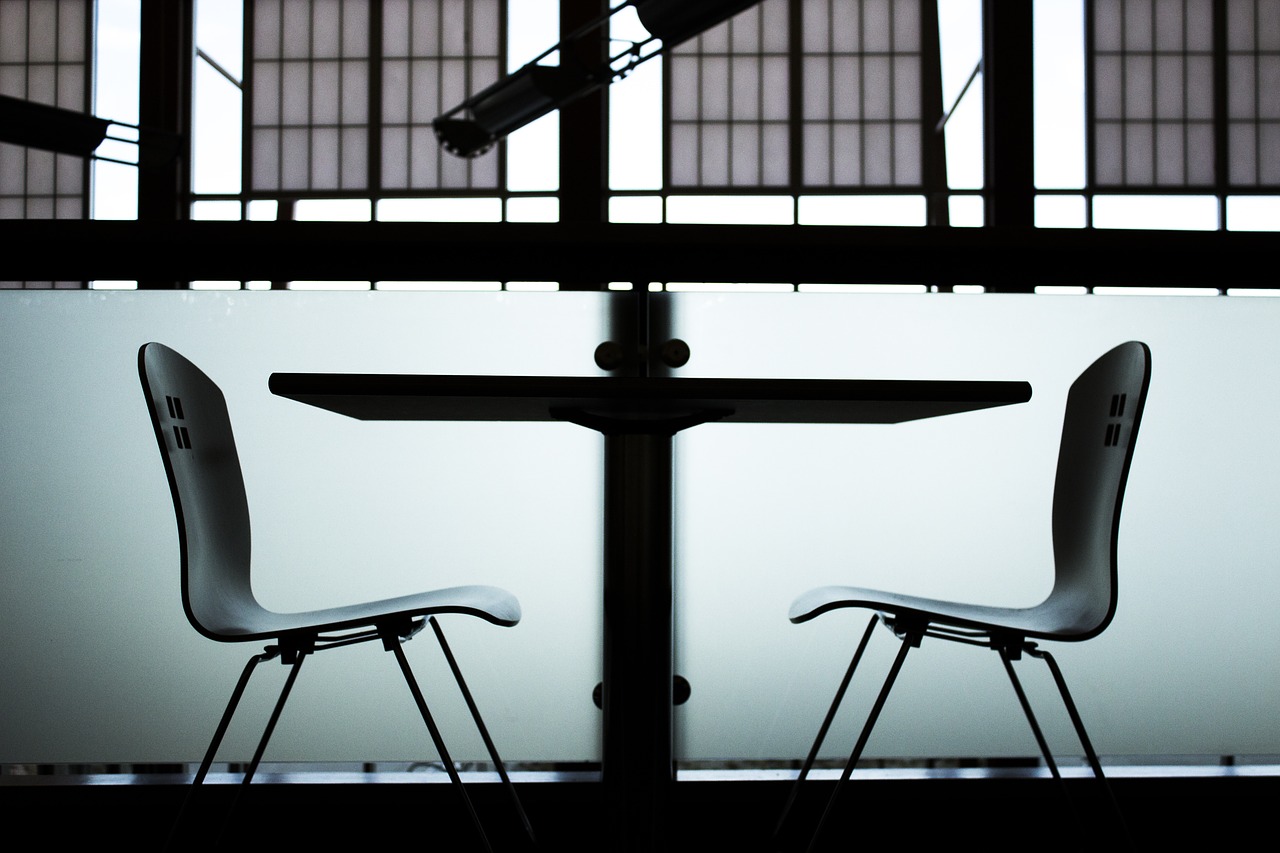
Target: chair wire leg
[911,639]
[262,742]
[1005,657]
[1090,754]
[398,649]
[218,734]
[480,726]
[825,727]
[271,723]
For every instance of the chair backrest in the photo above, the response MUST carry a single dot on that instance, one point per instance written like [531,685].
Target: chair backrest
[1104,409]
[193,429]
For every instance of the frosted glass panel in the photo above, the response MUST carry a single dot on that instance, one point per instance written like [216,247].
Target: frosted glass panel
[954,506]
[959,506]
[100,663]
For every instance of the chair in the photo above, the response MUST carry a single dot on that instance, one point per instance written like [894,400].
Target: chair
[193,429]
[1103,411]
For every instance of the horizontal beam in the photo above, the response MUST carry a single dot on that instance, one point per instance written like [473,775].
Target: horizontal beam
[1000,259]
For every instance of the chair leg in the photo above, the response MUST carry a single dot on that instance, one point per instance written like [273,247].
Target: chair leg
[1006,656]
[398,649]
[480,726]
[911,638]
[266,736]
[825,727]
[218,734]
[275,717]
[1089,752]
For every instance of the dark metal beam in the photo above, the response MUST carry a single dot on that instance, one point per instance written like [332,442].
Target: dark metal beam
[1016,259]
[1009,119]
[164,114]
[584,129]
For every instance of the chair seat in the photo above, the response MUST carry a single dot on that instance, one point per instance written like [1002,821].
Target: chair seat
[1055,618]
[491,603]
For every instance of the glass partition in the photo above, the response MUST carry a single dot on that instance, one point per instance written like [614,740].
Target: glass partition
[101,665]
[959,507]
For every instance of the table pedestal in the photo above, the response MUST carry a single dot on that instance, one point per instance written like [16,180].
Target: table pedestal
[638,766]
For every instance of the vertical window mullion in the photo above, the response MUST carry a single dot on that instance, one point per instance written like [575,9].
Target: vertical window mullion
[1153,95]
[1124,94]
[280,100]
[1186,96]
[1257,98]
[891,61]
[730,69]
[373,100]
[90,48]
[1221,113]
[831,91]
[760,110]
[862,86]
[26,152]
[795,95]
[311,114]
[699,140]
[339,112]
[440,78]
[468,44]
[55,178]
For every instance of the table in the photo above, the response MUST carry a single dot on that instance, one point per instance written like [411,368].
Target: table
[639,417]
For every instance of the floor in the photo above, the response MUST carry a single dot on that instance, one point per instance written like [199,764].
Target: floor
[711,811]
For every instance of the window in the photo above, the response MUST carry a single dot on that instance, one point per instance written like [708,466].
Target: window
[45,57]
[342,98]
[1184,95]
[809,96]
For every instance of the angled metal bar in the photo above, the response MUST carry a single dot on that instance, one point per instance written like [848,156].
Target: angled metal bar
[275,717]
[218,734]
[1007,658]
[826,725]
[1089,751]
[910,638]
[955,105]
[398,649]
[299,657]
[484,731]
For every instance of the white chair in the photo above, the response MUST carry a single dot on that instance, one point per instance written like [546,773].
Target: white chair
[1103,411]
[193,429]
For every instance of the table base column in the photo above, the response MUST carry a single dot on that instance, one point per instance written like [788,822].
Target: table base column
[638,768]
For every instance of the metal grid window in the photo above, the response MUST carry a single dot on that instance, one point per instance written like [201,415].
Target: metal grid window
[1153,93]
[342,93]
[862,93]
[45,52]
[437,52]
[310,74]
[801,95]
[727,91]
[1253,93]
[1185,94]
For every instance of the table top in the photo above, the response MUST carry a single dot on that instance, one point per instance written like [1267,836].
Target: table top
[617,398]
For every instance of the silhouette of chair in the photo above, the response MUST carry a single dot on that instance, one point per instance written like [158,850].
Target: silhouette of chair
[1103,410]
[193,429]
